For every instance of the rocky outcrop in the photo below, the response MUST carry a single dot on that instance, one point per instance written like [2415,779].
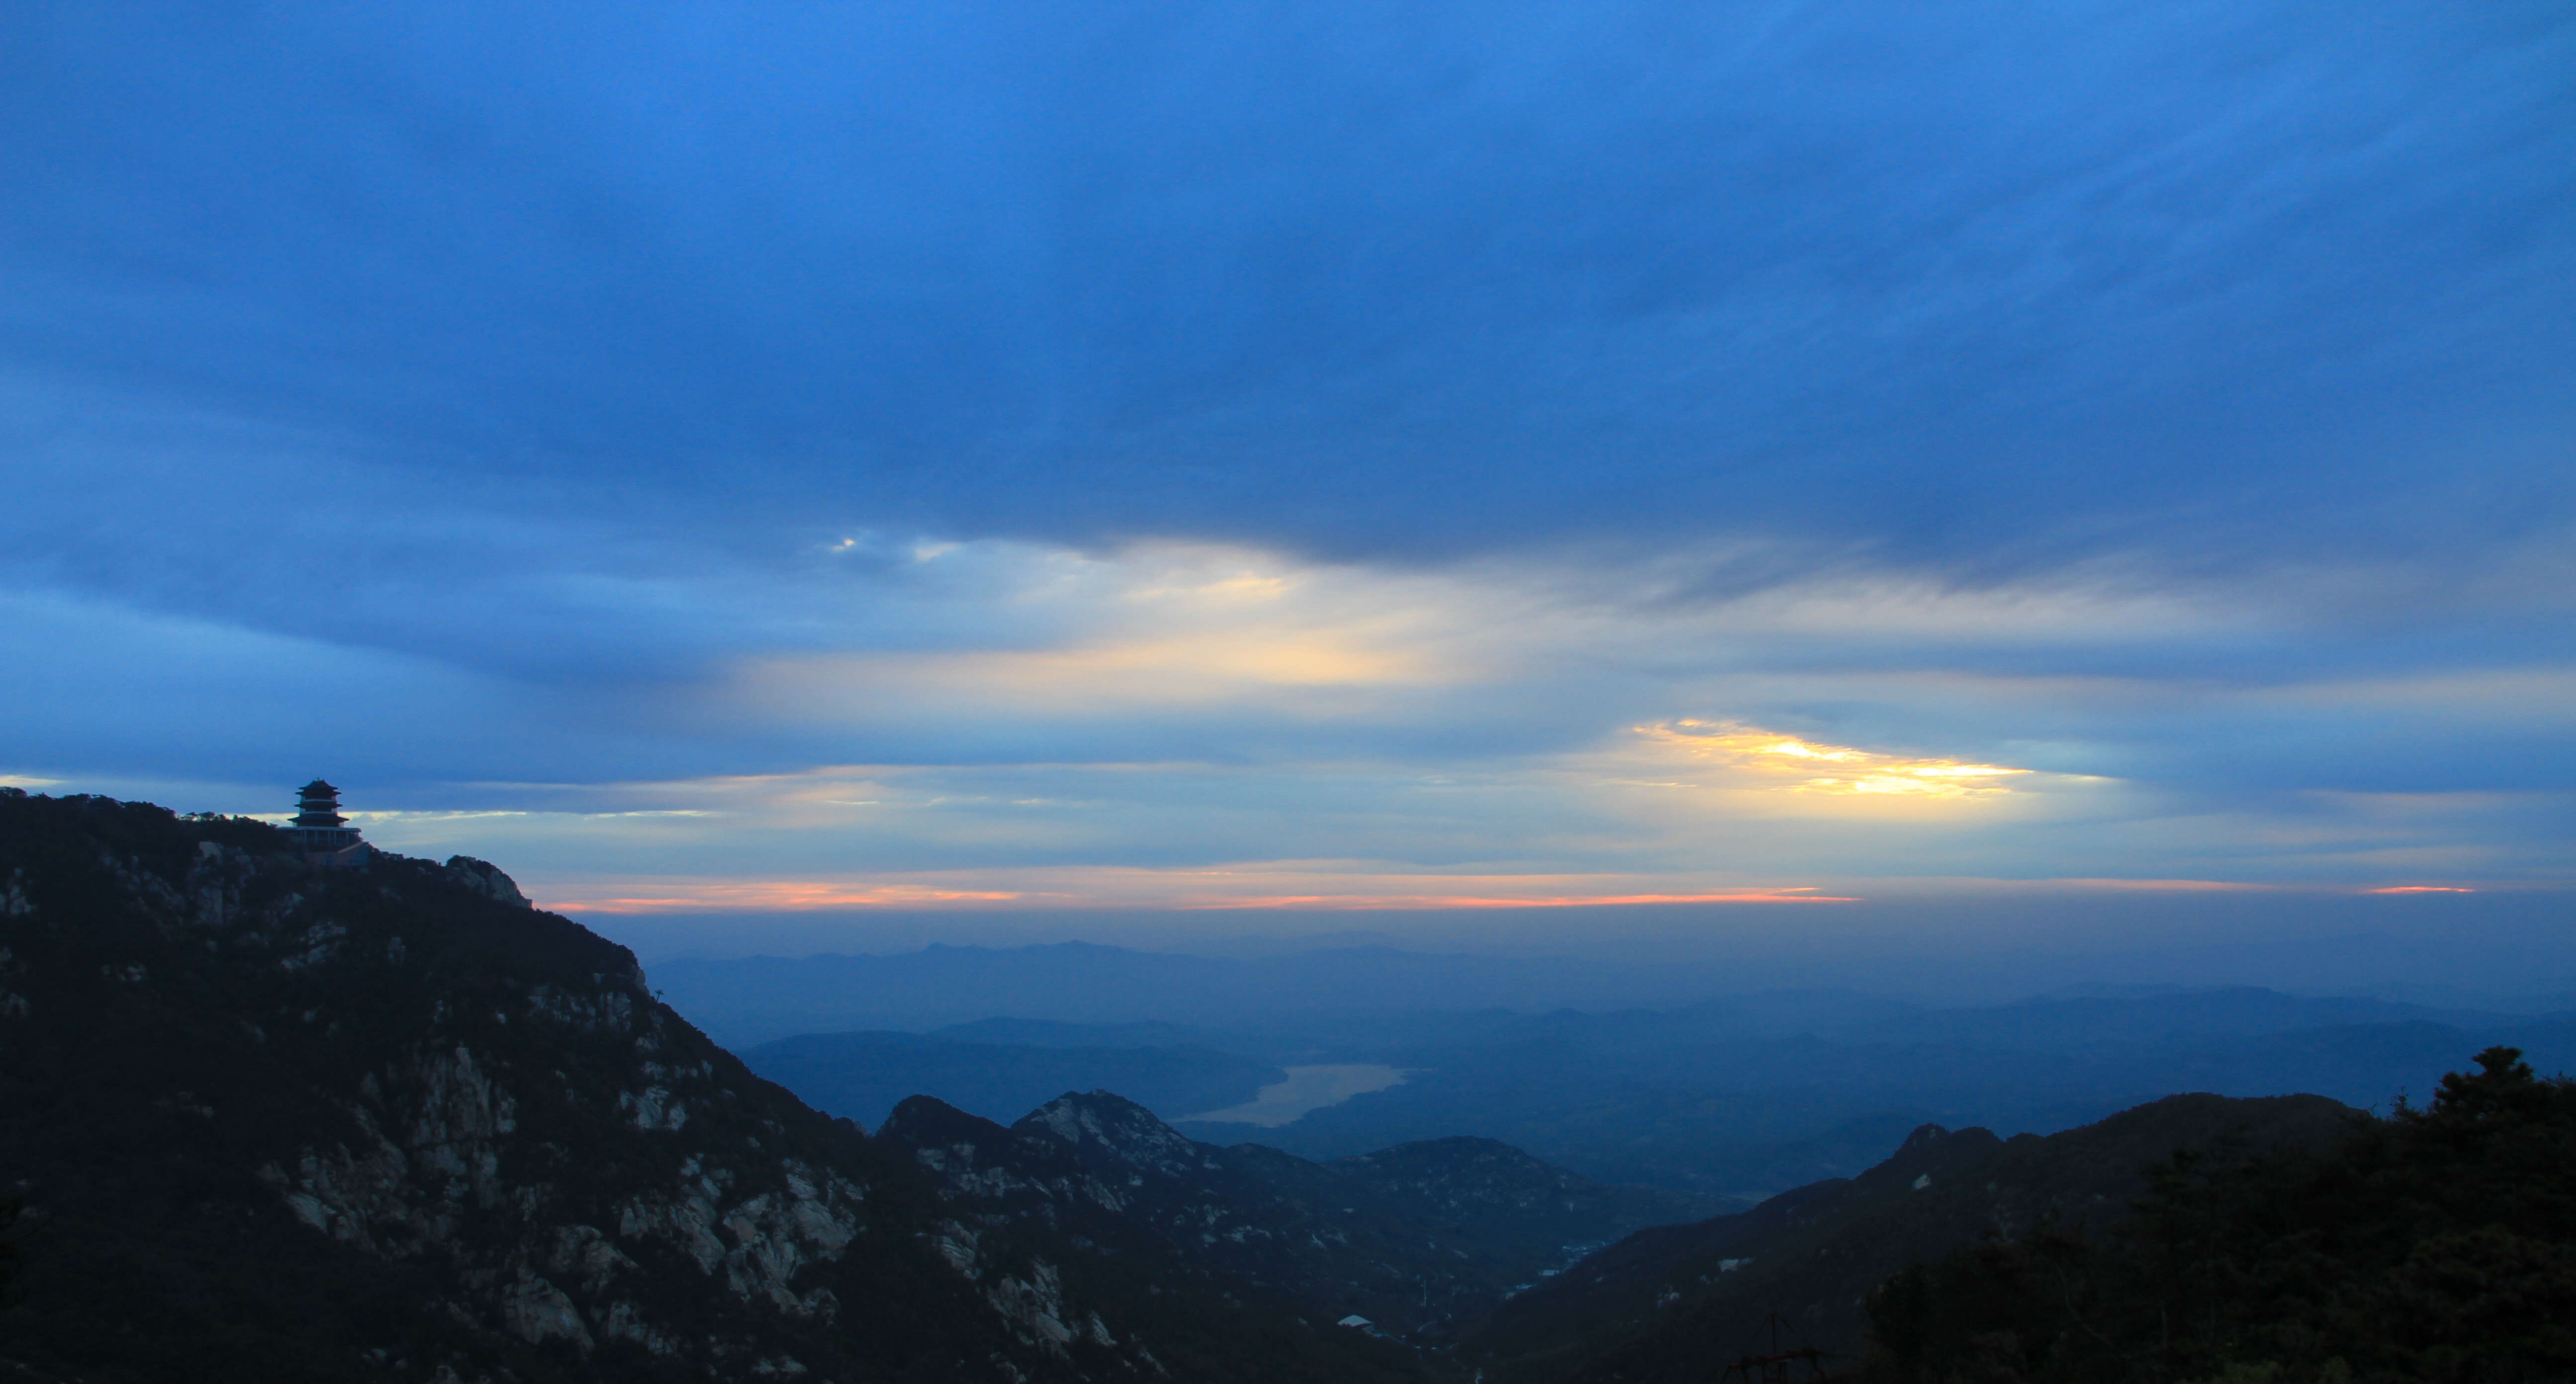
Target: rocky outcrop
[281,1123]
[486,879]
[1423,1239]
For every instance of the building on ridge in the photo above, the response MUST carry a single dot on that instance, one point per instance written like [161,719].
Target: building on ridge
[320,832]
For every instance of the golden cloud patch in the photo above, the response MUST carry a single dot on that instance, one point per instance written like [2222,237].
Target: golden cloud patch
[1805,766]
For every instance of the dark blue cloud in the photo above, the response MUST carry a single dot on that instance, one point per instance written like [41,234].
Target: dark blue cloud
[502,394]
[1972,285]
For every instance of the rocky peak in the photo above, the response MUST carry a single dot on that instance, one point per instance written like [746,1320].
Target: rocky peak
[1928,1155]
[1100,1126]
[1420,1238]
[486,879]
[928,1122]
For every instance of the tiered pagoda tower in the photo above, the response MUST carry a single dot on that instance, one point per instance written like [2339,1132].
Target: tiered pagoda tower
[318,828]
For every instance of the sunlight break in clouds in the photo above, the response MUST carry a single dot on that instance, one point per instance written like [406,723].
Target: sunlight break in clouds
[1816,768]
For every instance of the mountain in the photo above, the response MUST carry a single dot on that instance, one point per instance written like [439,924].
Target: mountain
[2168,1014]
[1752,1095]
[283,1123]
[1422,1240]
[755,999]
[865,1075]
[2437,1244]
[1668,1302]
[1721,1095]
[1048,1033]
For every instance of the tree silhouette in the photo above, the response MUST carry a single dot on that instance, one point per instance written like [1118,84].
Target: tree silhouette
[2436,1244]
[8,1253]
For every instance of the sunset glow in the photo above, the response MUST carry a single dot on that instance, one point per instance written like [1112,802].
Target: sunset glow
[795,459]
[1320,886]
[1843,769]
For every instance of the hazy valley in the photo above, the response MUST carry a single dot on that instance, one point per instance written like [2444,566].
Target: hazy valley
[1737,1096]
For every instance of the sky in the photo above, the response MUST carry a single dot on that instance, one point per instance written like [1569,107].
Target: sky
[1223,463]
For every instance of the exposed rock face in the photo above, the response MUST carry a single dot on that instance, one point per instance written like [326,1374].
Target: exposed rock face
[280,1123]
[1422,1239]
[486,879]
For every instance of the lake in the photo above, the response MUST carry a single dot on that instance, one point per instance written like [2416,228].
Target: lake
[1307,1088]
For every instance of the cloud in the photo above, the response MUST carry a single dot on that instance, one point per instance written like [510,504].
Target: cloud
[1523,455]
[1010,707]
[2218,285]
[1803,767]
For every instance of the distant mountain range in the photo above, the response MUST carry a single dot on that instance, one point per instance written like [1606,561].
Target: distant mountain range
[864,1076]
[1292,995]
[1737,1096]
[758,999]
[1729,1099]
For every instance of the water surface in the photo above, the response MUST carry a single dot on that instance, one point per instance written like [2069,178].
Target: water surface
[1307,1088]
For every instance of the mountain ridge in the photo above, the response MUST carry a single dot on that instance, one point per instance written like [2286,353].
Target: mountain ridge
[865,1075]
[1658,1304]
[1422,1239]
[278,1123]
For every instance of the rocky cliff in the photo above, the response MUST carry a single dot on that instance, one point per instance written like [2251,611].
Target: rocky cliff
[1423,1240]
[277,1123]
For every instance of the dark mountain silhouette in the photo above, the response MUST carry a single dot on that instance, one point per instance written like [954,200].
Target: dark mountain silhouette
[1423,1240]
[1667,1302]
[865,1075]
[2437,1244]
[1047,1033]
[1754,1096]
[1738,1096]
[278,1123]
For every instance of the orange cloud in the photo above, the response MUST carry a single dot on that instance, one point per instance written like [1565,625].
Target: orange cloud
[1283,885]
[778,896]
[1368,901]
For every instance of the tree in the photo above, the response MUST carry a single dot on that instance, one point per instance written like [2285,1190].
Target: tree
[8,1253]
[2437,1244]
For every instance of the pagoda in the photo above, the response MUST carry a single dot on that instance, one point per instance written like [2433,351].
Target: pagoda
[319,831]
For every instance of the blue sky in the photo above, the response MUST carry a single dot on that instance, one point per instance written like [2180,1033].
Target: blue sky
[1334,457]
